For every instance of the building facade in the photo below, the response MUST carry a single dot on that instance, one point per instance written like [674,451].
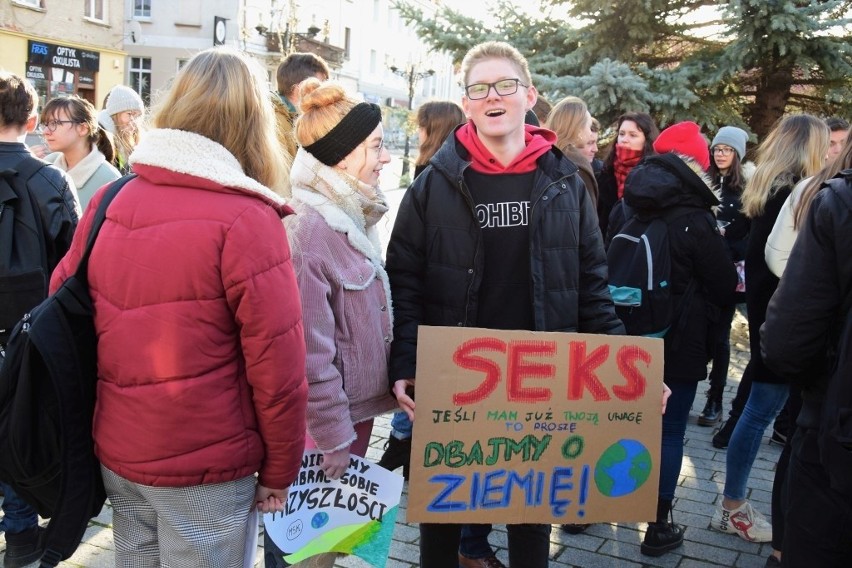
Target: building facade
[64,47]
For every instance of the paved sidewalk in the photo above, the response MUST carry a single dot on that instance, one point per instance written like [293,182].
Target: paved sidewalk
[603,545]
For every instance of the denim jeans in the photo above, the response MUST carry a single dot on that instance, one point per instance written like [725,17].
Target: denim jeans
[674,429]
[474,541]
[764,403]
[529,545]
[18,516]
[401,426]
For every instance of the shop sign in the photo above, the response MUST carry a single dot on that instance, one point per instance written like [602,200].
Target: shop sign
[52,55]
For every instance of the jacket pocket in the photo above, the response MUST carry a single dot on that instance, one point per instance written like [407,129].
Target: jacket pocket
[358,277]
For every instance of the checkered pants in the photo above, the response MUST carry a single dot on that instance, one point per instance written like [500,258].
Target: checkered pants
[203,526]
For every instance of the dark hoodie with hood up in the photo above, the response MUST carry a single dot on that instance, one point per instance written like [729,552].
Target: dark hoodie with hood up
[655,185]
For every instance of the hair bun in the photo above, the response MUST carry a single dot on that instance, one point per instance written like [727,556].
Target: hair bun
[315,95]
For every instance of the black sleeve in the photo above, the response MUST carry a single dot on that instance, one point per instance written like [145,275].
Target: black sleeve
[58,207]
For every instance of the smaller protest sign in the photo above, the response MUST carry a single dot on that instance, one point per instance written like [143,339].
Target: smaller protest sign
[353,515]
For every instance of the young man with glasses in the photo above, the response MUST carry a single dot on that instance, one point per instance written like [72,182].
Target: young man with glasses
[52,193]
[498,232]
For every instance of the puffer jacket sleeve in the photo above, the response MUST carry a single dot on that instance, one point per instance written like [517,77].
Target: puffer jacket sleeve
[406,268]
[329,421]
[596,310]
[260,288]
[808,299]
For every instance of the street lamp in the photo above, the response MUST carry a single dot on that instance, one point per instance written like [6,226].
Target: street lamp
[412,75]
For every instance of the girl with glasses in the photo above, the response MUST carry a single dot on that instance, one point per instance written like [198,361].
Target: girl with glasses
[79,145]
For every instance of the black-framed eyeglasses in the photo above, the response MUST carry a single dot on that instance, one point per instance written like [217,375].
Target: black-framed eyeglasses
[503,87]
[723,150]
[52,125]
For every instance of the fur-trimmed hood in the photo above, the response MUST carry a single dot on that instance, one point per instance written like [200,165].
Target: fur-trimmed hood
[167,156]
[669,180]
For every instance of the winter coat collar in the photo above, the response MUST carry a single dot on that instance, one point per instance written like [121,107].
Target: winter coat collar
[191,154]
[669,180]
[84,170]
[343,215]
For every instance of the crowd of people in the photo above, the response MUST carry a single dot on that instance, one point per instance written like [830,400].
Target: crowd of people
[239,285]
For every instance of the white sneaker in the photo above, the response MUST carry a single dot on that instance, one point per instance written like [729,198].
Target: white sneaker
[744,521]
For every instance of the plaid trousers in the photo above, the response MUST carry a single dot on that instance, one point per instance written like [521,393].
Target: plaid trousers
[202,526]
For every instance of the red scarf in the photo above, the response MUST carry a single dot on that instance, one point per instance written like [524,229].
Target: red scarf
[625,159]
[537,141]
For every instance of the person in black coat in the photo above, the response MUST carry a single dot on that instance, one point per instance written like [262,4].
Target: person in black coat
[818,531]
[675,178]
[795,148]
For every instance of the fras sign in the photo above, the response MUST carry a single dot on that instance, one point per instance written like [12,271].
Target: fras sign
[534,427]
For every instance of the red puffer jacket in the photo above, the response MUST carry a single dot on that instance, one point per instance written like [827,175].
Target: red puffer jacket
[201,353]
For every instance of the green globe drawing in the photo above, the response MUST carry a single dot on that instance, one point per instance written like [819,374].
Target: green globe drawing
[622,468]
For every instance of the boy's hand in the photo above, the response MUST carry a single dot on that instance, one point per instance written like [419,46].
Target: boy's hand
[406,403]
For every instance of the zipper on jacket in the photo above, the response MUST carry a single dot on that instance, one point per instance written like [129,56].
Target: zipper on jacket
[467,197]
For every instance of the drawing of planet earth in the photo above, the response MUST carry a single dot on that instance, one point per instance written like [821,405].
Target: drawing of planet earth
[319,520]
[622,468]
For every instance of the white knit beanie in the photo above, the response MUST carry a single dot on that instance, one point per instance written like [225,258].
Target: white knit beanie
[123,98]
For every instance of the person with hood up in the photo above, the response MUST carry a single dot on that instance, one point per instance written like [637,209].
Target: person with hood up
[675,178]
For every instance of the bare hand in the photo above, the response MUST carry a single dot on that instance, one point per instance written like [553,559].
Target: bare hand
[406,403]
[335,463]
[667,392]
[269,500]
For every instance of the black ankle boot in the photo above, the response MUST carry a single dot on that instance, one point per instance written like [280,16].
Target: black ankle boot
[712,413]
[397,453]
[23,548]
[663,534]
[723,436]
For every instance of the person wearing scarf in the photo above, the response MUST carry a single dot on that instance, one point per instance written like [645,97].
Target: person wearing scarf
[344,288]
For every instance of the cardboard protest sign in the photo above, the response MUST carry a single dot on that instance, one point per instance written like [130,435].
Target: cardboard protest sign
[534,427]
[354,514]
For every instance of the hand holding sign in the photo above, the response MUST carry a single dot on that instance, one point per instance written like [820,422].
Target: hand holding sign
[401,392]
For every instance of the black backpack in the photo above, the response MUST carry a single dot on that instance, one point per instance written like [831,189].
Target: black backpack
[47,399]
[23,252]
[640,265]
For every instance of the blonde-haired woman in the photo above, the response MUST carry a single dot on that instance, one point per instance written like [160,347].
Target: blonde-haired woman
[121,117]
[571,121]
[199,323]
[796,148]
[79,145]
[344,287]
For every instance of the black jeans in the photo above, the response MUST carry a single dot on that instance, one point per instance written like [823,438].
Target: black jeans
[721,353]
[529,545]
[819,519]
[779,486]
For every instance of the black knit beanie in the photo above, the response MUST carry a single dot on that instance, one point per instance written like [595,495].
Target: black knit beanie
[347,134]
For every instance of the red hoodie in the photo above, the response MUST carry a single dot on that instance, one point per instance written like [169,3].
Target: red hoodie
[537,141]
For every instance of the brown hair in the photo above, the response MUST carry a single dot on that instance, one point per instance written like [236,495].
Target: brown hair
[82,112]
[648,127]
[437,119]
[323,105]
[841,162]
[541,109]
[220,94]
[297,67]
[18,100]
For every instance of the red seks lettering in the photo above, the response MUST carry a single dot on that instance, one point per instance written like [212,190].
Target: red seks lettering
[626,359]
[581,371]
[520,369]
[464,358]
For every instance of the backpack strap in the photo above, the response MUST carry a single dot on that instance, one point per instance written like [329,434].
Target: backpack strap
[97,222]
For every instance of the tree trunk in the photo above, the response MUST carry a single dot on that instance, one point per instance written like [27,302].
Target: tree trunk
[770,101]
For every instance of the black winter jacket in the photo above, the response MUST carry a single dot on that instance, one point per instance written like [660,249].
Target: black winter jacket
[806,311]
[435,258]
[698,252]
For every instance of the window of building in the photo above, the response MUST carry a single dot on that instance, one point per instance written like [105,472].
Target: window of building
[96,10]
[140,77]
[33,3]
[347,42]
[142,8]
[373,55]
[377,10]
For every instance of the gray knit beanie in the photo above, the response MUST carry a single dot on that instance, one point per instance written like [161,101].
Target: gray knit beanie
[734,137]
